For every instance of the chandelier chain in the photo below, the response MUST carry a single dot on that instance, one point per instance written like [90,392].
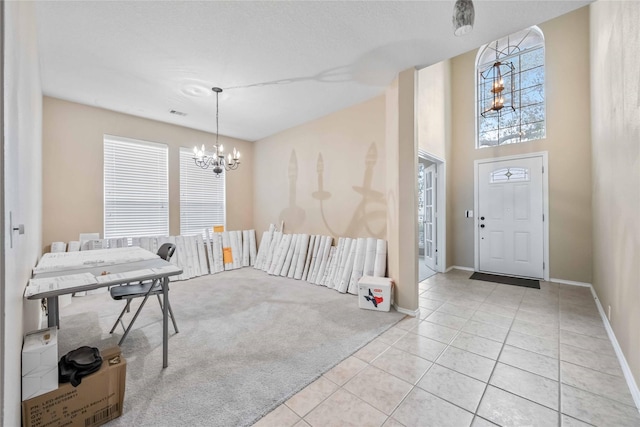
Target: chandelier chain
[216,160]
[217,114]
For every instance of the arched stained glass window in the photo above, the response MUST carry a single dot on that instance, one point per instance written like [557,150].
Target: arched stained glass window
[510,97]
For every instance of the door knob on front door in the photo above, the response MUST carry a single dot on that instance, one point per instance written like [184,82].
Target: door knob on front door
[481,225]
[481,218]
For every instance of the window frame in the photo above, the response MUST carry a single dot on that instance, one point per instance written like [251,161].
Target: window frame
[163,157]
[482,66]
[209,178]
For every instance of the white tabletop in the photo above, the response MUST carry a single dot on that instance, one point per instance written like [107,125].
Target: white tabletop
[67,272]
[64,261]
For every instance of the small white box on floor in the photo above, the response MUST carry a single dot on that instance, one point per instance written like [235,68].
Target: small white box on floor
[375,293]
[40,351]
[39,362]
[39,382]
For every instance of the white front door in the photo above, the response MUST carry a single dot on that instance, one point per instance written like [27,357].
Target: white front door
[430,216]
[509,217]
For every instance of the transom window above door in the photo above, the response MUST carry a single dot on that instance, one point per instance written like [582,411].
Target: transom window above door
[510,94]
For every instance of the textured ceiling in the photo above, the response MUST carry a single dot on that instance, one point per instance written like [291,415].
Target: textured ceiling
[281,63]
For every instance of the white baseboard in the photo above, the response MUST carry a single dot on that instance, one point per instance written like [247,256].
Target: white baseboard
[571,282]
[626,370]
[628,375]
[458,267]
[412,313]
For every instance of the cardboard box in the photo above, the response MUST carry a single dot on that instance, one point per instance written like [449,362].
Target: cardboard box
[40,351]
[375,293]
[97,400]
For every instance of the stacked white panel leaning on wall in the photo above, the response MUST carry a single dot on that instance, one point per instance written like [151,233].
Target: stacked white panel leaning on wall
[314,258]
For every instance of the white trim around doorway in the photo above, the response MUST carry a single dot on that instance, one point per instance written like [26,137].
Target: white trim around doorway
[441,203]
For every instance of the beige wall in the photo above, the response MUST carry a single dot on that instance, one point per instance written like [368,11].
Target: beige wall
[326,176]
[567,142]
[73,170]
[22,193]
[402,187]
[359,189]
[615,125]
[434,114]
[434,138]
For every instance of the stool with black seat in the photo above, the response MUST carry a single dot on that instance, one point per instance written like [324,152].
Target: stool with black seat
[143,289]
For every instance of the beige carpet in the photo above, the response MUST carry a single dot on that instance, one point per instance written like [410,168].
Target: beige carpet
[247,342]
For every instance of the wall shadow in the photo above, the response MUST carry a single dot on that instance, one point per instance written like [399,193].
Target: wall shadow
[371,209]
[293,215]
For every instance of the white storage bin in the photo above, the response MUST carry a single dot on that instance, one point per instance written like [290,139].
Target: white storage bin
[375,293]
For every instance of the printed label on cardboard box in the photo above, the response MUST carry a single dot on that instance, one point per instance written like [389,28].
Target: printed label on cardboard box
[97,400]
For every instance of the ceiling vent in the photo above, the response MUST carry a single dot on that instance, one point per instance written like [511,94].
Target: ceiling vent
[178,113]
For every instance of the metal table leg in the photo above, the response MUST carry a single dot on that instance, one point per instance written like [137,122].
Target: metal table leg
[53,317]
[165,322]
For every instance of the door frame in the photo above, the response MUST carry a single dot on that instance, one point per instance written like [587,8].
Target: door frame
[441,210]
[3,350]
[431,261]
[545,207]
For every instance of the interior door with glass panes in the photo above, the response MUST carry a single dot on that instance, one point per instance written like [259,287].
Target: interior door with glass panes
[430,216]
[421,169]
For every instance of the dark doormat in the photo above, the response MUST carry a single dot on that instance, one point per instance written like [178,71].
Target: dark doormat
[507,280]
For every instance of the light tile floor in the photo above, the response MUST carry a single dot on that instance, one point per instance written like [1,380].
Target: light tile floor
[481,354]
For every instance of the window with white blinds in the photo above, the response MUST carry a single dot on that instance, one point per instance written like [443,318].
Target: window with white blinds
[136,188]
[202,196]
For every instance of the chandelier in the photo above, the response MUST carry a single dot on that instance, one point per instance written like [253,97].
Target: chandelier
[495,95]
[217,159]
